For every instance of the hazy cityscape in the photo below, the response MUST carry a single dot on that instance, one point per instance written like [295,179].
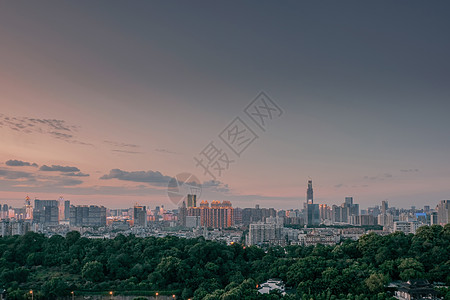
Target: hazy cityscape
[311,224]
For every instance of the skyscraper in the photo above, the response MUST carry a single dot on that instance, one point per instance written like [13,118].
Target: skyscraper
[191,200]
[28,209]
[311,209]
[46,212]
[384,207]
[64,209]
[443,212]
[140,216]
[83,215]
[182,213]
[347,212]
[219,215]
[309,193]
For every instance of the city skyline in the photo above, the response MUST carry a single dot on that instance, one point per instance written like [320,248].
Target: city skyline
[105,104]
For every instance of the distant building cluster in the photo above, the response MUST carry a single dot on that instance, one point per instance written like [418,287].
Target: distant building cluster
[312,224]
[269,231]
[217,215]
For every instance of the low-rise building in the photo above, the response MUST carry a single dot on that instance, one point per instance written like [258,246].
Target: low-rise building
[406,227]
[416,289]
[272,285]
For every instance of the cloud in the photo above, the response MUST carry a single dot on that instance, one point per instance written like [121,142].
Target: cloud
[8,174]
[121,145]
[71,186]
[165,151]
[68,182]
[58,129]
[379,177]
[137,176]
[79,174]
[67,138]
[34,124]
[19,163]
[126,151]
[58,168]
[51,123]
[360,186]
[60,135]
[409,170]
[216,186]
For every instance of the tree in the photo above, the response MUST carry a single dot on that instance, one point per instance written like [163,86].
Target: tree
[410,268]
[55,287]
[72,237]
[375,283]
[93,271]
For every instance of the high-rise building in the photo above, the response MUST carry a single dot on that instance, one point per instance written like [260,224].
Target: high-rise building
[365,220]
[406,227]
[312,214]
[46,212]
[191,200]
[386,220]
[434,220]
[312,210]
[219,215]
[443,211]
[346,213]
[61,209]
[64,209]
[140,216]
[193,221]
[325,212]
[257,214]
[384,207]
[28,209]
[309,193]
[237,215]
[182,214]
[83,215]
[5,211]
[264,233]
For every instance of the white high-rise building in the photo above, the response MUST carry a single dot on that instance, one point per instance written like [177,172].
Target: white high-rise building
[264,233]
[443,211]
[406,227]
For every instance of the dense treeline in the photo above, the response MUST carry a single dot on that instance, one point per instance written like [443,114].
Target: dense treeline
[199,269]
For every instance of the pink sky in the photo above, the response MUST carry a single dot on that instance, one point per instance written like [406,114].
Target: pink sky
[365,102]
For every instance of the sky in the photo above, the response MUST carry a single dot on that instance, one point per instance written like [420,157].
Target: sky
[104,102]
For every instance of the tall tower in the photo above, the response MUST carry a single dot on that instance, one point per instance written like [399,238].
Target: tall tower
[28,209]
[309,193]
[311,209]
[384,207]
[191,200]
[61,208]
[140,215]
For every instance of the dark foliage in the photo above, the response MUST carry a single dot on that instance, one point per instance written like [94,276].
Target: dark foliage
[199,269]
